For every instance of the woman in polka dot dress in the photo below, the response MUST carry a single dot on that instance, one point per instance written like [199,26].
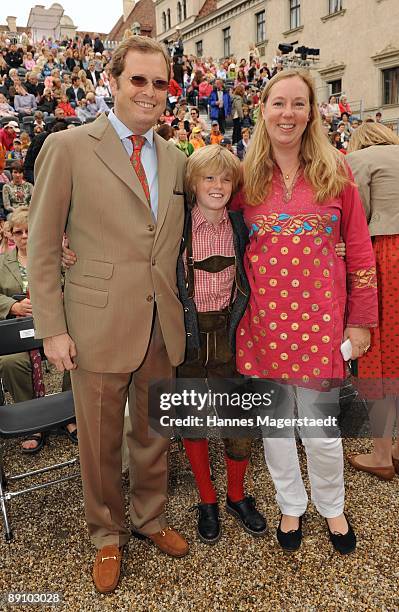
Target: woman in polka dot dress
[298,199]
[374,159]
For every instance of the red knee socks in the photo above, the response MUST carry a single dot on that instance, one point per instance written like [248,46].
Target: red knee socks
[235,478]
[197,452]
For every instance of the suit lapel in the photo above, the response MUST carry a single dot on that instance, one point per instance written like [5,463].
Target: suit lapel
[166,179]
[112,153]
[11,262]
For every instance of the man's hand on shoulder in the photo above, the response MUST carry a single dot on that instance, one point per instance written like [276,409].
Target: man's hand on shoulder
[60,351]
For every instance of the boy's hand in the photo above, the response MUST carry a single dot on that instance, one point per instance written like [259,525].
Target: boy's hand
[340,249]
[68,258]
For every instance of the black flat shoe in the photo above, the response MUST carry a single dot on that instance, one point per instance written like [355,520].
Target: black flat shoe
[344,543]
[72,435]
[208,527]
[252,521]
[290,540]
[39,438]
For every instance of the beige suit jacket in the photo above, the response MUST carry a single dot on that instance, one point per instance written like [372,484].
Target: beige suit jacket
[376,172]
[86,186]
[10,281]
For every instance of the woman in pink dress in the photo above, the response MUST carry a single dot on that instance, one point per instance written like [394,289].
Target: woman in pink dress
[298,199]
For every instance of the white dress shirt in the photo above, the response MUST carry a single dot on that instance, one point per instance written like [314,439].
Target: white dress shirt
[148,156]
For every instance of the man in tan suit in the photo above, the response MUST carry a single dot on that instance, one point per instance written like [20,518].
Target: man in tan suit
[116,188]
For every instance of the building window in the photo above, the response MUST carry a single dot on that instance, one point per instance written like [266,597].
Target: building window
[391,86]
[184,9]
[260,27]
[198,48]
[226,42]
[334,6]
[335,87]
[179,13]
[295,14]
[163,22]
[169,22]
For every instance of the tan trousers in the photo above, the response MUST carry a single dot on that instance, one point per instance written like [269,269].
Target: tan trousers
[100,400]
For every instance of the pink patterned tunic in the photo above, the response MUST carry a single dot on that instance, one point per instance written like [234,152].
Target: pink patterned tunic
[302,294]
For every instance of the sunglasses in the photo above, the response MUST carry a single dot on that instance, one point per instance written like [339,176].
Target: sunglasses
[142,81]
[20,232]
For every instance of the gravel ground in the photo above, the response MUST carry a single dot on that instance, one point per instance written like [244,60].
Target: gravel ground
[52,552]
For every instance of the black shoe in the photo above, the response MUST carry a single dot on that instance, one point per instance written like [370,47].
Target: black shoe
[343,543]
[290,540]
[249,517]
[72,435]
[208,527]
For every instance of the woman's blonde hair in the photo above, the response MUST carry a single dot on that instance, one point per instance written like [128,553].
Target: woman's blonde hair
[211,160]
[3,237]
[369,134]
[324,166]
[18,217]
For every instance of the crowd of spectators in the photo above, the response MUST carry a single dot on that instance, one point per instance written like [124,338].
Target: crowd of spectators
[212,101]
[55,85]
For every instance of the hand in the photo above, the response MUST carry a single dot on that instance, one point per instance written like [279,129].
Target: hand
[68,258]
[22,308]
[360,340]
[60,350]
[340,249]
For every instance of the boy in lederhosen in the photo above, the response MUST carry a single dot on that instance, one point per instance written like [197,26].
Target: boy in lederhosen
[214,291]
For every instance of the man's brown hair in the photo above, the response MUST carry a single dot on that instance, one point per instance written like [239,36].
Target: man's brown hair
[142,44]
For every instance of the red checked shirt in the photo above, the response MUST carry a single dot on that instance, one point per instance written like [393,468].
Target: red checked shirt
[212,290]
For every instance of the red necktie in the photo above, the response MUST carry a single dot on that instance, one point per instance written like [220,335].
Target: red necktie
[135,160]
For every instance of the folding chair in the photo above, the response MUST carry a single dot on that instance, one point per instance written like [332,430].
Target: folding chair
[42,414]
[5,120]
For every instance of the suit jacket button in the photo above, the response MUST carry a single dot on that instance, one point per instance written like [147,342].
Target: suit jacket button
[150,228]
[150,298]
[189,335]
[186,310]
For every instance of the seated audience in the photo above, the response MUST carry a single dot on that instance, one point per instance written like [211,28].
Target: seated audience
[215,135]
[196,138]
[16,153]
[18,192]
[47,102]
[197,121]
[8,134]
[242,145]
[183,144]
[24,102]
[6,110]
[21,372]
[66,107]
[75,92]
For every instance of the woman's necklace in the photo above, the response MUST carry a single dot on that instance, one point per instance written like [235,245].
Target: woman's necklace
[287,175]
[288,186]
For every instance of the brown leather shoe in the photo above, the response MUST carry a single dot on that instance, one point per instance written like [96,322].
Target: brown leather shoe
[384,473]
[396,465]
[107,567]
[170,542]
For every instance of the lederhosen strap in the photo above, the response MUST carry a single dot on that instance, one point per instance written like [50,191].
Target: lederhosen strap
[213,264]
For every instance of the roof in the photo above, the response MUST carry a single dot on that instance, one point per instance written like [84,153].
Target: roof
[143,12]
[207,8]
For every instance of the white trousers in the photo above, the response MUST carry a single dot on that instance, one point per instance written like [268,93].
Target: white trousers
[324,458]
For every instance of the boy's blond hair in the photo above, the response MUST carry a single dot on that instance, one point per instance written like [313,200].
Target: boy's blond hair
[211,160]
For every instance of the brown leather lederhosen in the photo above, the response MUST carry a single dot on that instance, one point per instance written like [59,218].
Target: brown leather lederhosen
[214,358]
